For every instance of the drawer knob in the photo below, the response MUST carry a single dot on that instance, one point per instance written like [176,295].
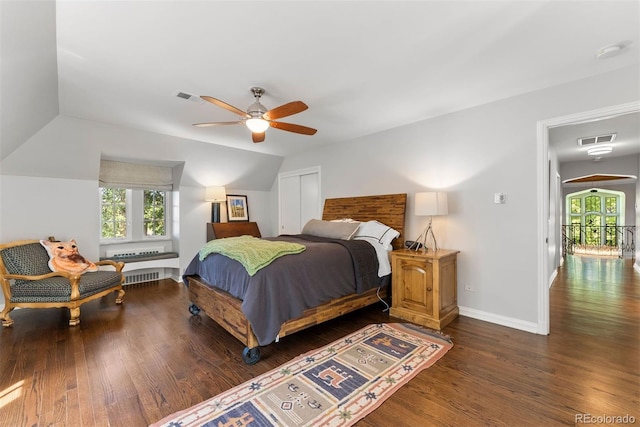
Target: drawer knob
[429,289]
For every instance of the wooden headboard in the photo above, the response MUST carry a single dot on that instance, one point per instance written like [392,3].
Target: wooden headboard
[388,209]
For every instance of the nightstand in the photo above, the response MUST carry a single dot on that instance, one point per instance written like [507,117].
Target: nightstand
[424,287]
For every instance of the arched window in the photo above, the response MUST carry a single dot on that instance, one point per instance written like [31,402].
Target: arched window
[594,215]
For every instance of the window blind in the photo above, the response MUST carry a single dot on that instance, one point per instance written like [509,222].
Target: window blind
[135,176]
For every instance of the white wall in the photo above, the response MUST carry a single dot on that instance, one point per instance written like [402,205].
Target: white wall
[35,208]
[473,154]
[637,206]
[554,249]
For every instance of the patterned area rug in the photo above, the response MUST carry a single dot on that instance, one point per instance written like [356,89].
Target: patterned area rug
[336,385]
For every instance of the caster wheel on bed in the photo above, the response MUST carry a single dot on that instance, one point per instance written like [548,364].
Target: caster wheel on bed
[251,355]
[194,309]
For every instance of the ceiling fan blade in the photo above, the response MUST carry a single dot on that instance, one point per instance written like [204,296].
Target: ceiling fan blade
[225,106]
[290,127]
[257,137]
[285,110]
[239,122]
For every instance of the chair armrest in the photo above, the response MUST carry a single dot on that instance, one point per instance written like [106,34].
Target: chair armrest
[117,265]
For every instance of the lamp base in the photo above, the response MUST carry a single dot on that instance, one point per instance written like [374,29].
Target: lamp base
[215,212]
[421,241]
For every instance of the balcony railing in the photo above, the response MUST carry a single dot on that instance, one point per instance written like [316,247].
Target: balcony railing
[608,240]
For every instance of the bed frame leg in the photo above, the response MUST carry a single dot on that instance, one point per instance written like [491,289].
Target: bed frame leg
[251,355]
[194,309]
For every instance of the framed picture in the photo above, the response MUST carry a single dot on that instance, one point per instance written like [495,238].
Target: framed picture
[237,208]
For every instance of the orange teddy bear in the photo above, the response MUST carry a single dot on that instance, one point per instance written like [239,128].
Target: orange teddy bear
[64,256]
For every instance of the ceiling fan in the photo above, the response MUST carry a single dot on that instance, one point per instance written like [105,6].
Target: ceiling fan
[258,119]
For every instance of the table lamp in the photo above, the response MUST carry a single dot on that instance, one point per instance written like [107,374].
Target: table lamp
[430,204]
[215,195]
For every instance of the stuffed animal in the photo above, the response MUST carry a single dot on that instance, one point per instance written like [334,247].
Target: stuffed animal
[64,256]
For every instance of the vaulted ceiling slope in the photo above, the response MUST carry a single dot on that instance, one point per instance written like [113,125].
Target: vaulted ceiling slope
[28,70]
[362,67]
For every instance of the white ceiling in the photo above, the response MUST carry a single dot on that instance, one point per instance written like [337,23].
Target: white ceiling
[361,67]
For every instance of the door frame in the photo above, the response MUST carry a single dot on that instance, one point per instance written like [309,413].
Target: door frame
[543,127]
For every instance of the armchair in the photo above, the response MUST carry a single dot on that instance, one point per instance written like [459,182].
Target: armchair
[28,282]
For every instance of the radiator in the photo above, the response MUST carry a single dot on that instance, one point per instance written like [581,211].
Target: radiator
[115,253]
[143,276]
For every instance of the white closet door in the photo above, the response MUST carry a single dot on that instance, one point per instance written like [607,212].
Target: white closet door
[309,198]
[299,199]
[290,205]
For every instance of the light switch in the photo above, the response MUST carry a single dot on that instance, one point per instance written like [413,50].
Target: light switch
[500,198]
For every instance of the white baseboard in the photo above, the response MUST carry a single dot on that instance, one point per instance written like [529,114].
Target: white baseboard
[553,277]
[500,320]
[177,277]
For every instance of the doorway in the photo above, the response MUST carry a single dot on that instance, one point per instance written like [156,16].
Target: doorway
[547,249]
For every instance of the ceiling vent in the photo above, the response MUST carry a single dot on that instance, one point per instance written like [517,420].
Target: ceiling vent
[188,96]
[596,139]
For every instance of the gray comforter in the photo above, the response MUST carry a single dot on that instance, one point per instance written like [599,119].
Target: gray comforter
[327,269]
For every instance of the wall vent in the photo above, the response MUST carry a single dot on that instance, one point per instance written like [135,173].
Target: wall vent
[123,253]
[590,140]
[130,278]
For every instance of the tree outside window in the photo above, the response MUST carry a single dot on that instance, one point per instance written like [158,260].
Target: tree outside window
[154,213]
[592,229]
[113,213]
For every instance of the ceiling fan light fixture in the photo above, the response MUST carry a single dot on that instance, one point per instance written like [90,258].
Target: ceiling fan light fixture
[257,125]
[600,150]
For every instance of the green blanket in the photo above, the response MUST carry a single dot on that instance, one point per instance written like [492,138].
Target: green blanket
[251,252]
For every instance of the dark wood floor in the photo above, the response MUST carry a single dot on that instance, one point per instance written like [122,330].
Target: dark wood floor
[133,364]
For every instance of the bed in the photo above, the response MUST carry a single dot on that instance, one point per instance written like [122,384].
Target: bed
[322,302]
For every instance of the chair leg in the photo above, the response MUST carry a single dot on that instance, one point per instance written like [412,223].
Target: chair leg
[75,316]
[6,320]
[120,296]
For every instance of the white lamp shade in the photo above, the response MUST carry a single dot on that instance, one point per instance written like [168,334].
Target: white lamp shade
[215,194]
[431,203]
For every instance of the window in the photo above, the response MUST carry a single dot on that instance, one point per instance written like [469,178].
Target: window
[130,215]
[576,205]
[594,216]
[113,213]
[136,201]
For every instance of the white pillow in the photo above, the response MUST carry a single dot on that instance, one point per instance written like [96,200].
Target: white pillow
[377,230]
[330,230]
[382,252]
